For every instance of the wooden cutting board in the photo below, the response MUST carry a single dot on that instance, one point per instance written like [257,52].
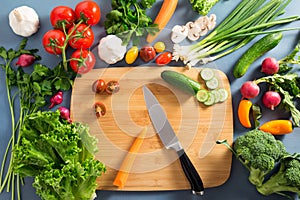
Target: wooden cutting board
[155,168]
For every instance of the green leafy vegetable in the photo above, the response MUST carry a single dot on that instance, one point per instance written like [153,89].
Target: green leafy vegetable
[203,6]
[32,90]
[249,19]
[129,21]
[59,155]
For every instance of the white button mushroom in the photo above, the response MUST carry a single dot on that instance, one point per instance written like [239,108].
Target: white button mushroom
[24,21]
[110,49]
[193,31]
[179,33]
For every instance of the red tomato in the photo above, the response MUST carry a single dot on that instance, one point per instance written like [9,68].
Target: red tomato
[82,61]
[147,53]
[164,58]
[82,37]
[62,16]
[53,41]
[88,11]
[112,87]
[99,86]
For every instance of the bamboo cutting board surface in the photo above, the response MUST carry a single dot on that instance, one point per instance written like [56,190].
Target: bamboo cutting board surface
[155,168]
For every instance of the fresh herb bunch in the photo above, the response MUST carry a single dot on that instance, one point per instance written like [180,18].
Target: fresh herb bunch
[32,90]
[59,155]
[129,21]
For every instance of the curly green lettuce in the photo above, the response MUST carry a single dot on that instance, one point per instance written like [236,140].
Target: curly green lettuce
[203,6]
[59,155]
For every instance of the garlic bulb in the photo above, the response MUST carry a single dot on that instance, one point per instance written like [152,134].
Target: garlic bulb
[24,21]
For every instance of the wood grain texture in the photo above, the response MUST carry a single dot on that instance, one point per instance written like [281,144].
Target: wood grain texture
[155,168]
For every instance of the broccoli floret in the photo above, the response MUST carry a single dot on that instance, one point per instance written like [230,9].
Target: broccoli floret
[258,151]
[287,179]
[203,6]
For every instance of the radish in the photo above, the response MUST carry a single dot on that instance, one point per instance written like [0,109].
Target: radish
[56,99]
[271,99]
[25,60]
[270,66]
[250,90]
[65,114]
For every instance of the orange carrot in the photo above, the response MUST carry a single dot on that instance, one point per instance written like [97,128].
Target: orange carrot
[163,17]
[243,112]
[127,163]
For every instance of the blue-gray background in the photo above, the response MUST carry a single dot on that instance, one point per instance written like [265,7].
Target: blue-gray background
[237,187]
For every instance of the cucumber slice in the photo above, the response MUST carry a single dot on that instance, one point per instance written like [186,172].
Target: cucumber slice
[202,95]
[210,101]
[223,94]
[217,95]
[207,74]
[212,83]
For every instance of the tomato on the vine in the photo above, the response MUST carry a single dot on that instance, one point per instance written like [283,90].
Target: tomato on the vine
[81,37]
[82,61]
[88,11]
[62,16]
[53,41]
[164,58]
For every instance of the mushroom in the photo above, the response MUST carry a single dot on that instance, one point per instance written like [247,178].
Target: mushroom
[212,21]
[24,21]
[193,31]
[179,33]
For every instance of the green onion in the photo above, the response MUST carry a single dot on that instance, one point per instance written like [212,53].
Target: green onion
[249,19]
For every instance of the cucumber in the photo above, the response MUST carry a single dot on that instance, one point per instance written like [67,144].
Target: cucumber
[202,95]
[259,48]
[210,100]
[207,74]
[181,81]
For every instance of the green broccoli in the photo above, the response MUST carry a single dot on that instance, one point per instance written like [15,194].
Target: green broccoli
[287,179]
[258,151]
[203,6]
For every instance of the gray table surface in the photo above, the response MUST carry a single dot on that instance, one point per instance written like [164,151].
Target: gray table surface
[237,187]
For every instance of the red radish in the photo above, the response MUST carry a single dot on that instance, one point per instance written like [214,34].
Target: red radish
[250,89]
[65,114]
[271,99]
[270,66]
[56,99]
[25,60]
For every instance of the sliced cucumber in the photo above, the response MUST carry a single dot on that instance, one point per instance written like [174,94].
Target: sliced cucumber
[202,95]
[223,94]
[217,95]
[210,101]
[207,74]
[212,83]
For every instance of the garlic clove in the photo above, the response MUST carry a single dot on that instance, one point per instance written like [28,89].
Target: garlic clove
[24,21]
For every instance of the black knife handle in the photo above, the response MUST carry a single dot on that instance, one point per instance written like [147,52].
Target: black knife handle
[191,173]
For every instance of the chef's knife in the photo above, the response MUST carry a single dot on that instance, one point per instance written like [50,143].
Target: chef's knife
[167,135]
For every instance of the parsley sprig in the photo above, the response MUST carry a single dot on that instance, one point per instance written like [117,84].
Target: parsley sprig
[129,21]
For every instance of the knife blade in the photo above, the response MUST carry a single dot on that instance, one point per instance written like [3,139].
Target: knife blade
[168,137]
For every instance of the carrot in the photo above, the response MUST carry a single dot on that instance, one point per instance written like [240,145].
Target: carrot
[277,127]
[127,163]
[163,17]
[243,112]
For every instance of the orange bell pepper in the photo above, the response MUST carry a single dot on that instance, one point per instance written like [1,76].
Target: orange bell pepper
[244,111]
[277,127]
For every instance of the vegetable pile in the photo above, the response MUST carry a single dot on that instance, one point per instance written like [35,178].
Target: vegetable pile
[59,155]
[248,19]
[261,153]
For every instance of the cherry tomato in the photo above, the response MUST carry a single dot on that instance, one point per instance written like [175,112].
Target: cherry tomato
[82,61]
[88,11]
[53,41]
[100,109]
[147,53]
[131,55]
[99,86]
[82,37]
[62,16]
[112,87]
[164,58]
